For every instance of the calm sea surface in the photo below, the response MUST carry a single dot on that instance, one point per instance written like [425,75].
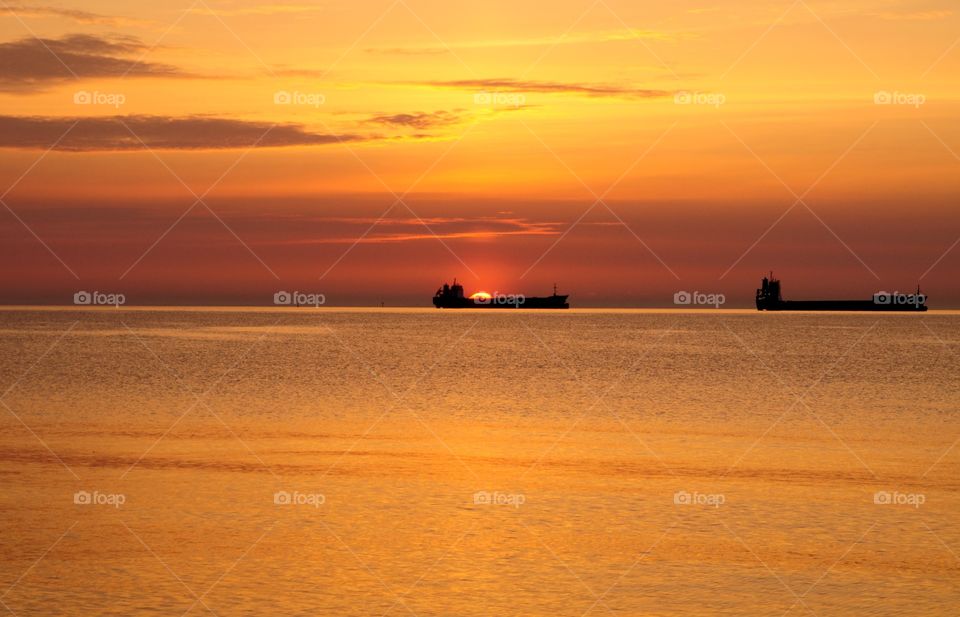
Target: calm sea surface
[425,463]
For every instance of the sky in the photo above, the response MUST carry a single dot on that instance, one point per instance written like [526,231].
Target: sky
[217,152]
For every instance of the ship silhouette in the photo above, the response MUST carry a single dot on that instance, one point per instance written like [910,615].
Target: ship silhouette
[452,297]
[769,298]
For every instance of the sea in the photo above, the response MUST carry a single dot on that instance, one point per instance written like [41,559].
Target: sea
[228,461]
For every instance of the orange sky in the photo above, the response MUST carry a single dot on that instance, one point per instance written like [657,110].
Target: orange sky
[216,152]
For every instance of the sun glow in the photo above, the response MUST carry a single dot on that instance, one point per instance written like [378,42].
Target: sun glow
[481,295]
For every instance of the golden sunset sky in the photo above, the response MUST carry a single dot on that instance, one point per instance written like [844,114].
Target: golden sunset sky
[216,152]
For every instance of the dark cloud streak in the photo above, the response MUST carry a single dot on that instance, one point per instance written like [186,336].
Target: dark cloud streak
[32,63]
[550,87]
[122,133]
[418,120]
[79,16]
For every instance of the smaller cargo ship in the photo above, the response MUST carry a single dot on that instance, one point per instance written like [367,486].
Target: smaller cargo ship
[769,298]
[452,297]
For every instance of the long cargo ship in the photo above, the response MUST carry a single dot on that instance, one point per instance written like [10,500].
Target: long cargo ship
[452,297]
[769,298]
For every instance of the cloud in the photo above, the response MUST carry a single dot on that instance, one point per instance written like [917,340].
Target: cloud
[412,229]
[932,15]
[120,133]
[408,51]
[550,87]
[418,120]
[82,17]
[30,63]
[287,71]
[622,34]
[259,10]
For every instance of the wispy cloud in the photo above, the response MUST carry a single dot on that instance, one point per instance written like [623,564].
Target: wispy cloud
[157,132]
[77,15]
[581,38]
[906,15]
[30,63]
[418,120]
[549,87]
[409,51]
[415,229]
[278,8]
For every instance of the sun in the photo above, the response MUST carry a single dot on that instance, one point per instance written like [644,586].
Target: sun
[481,295]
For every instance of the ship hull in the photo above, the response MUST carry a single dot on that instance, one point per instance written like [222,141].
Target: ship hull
[550,302]
[838,305]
